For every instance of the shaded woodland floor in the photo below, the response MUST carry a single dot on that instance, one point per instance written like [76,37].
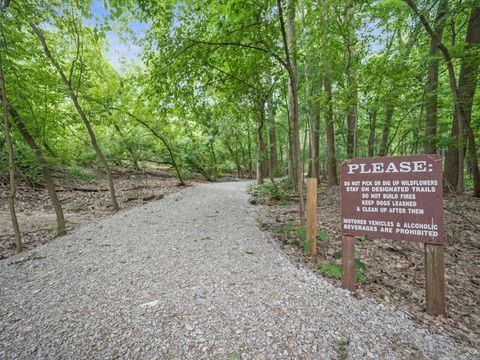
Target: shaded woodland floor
[83,201]
[395,269]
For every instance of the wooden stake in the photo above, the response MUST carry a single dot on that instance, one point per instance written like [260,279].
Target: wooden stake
[312,214]
[348,263]
[435,279]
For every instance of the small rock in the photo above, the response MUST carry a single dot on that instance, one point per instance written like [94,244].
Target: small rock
[150,304]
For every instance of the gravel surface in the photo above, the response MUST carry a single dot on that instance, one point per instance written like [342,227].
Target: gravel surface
[191,277]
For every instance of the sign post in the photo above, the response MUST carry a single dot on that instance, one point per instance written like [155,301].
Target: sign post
[435,279]
[348,263]
[397,198]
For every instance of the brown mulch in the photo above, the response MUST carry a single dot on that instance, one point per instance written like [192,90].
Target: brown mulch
[395,269]
[82,203]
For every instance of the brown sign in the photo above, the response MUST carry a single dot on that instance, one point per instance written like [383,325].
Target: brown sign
[397,197]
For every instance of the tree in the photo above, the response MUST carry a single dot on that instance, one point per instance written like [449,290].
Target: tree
[454,163]
[289,45]
[11,162]
[73,96]
[432,83]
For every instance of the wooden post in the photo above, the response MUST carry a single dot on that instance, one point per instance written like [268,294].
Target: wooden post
[348,263]
[312,214]
[435,279]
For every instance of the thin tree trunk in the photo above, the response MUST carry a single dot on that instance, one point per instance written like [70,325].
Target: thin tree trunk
[11,163]
[352,88]
[330,132]
[450,172]
[289,44]
[371,138]
[260,141]
[81,112]
[214,158]
[272,136]
[49,182]
[351,130]
[249,147]
[431,87]
[165,143]
[314,125]
[272,132]
[472,147]
[386,131]
[244,159]
[159,137]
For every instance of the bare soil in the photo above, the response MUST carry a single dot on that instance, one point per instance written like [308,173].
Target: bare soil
[37,217]
[395,269]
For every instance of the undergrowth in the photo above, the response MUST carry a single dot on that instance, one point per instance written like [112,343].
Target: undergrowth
[279,191]
[334,271]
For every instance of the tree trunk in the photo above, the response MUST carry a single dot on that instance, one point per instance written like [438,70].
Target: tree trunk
[450,172]
[289,43]
[371,138]
[455,154]
[80,111]
[272,137]
[386,131]
[244,159]
[49,182]
[330,132]
[272,133]
[473,161]
[432,84]
[351,130]
[352,89]
[314,125]
[467,83]
[260,141]
[11,164]
[249,147]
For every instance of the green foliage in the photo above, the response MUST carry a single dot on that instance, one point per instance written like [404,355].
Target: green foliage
[26,162]
[302,232]
[333,271]
[279,191]
[298,234]
[322,235]
[360,269]
[307,245]
[288,227]
[78,173]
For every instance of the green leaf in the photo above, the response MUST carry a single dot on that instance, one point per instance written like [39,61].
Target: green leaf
[331,270]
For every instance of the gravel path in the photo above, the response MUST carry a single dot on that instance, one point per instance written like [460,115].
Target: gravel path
[191,277]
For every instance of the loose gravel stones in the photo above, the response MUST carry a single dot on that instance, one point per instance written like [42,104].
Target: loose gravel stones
[191,277]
